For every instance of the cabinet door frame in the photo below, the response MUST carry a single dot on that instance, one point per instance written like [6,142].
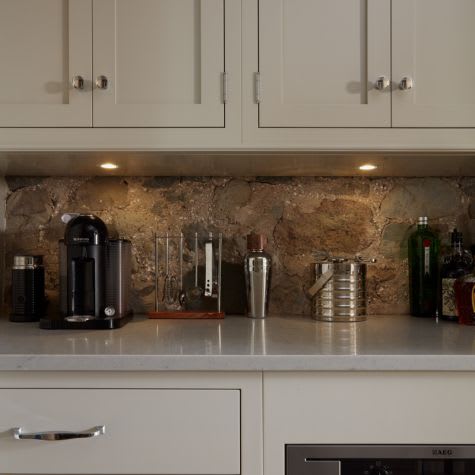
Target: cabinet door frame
[208,114]
[374,111]
[406,113]
[249,384]
[182,421]
[78,111]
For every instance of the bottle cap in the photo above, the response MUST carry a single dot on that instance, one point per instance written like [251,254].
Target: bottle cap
[27,262]
[256,242]
[422,220]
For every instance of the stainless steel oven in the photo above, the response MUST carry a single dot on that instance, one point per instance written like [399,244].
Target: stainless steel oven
[380,459]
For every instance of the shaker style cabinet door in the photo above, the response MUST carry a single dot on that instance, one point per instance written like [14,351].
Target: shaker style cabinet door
[120,431]
[324,63]
[158,63]
[45,47]
[433,63]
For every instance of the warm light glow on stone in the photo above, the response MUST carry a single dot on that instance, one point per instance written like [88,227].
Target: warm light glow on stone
[367,167]
[109,166]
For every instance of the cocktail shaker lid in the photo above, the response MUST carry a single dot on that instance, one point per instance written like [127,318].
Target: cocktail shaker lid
[27,262]
[256,242]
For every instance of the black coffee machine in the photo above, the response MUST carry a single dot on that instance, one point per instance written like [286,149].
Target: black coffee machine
[86,239]
[94,276]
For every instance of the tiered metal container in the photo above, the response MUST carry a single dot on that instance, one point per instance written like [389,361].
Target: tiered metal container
[343,297]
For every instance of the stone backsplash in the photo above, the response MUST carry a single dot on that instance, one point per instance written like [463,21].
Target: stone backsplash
[344,216]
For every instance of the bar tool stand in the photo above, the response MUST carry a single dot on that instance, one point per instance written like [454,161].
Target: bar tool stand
[188,295]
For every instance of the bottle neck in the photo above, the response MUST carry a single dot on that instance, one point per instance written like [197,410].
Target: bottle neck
[457,247]
[422,226]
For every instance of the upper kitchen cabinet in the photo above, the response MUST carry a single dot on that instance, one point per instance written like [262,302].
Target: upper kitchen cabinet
[324,63]
[159,63]
[45,62]
[433,63]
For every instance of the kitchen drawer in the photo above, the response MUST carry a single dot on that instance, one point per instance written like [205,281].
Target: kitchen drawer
[147,431]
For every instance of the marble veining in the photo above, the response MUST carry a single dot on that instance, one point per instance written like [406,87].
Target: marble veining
[240,344]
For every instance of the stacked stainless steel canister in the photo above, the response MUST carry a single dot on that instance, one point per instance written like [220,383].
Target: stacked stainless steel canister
[339,292]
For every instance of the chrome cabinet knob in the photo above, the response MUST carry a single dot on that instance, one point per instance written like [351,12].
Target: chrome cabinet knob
[102,82]
[406,84]
[382,83]
[78,82]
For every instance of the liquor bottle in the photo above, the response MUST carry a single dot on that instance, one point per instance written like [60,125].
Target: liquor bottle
[457,264]
[465,299]
[423,270]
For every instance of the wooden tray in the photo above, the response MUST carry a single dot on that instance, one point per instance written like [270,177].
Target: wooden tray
[185,315]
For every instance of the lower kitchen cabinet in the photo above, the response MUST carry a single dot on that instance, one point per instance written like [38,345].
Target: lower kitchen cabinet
[154,431]
[171,424]
[220,423]
[365,408]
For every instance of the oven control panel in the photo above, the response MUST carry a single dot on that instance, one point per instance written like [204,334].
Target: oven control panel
[380,460]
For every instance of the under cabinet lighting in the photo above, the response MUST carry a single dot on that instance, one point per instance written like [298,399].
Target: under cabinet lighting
[367,167]
[109,166]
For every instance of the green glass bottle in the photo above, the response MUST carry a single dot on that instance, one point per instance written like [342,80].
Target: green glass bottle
[424,247]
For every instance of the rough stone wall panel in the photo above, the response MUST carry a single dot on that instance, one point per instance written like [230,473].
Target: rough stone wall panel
[343,216]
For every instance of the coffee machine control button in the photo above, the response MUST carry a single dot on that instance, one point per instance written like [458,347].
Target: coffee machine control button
[109,311]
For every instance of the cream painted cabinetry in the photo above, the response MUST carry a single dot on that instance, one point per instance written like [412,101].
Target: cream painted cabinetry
[112,63]
[364,408]
[138,423]
[237,75]
[327,63]
[320,62]
[43,46]
[329,75]
[163,60]
[156,431]
[432,45]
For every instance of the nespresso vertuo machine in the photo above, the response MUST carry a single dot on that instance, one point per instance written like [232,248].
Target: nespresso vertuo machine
[94,276]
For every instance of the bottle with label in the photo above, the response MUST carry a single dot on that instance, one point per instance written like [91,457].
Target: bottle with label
[465,299]
[457,264]
[423,248]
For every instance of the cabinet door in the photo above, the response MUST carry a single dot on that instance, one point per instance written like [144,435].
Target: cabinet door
[120,431]
[319,61]
[43,45]
[433,44]
[164,62]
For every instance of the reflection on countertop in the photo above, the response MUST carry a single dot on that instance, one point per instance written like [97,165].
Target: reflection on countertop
[237,343]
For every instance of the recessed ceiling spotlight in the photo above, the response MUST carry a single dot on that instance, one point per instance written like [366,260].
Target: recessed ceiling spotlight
[367,167]
[109,166]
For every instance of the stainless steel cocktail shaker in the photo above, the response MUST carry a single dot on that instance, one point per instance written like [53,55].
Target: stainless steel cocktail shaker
[257,270]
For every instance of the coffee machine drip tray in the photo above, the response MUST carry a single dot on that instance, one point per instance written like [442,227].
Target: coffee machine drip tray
[82,323]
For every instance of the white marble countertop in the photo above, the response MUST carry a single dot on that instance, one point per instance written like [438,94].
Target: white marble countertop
[396,343]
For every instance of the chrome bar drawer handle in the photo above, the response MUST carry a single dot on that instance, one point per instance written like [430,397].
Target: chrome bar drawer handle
[52,436]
